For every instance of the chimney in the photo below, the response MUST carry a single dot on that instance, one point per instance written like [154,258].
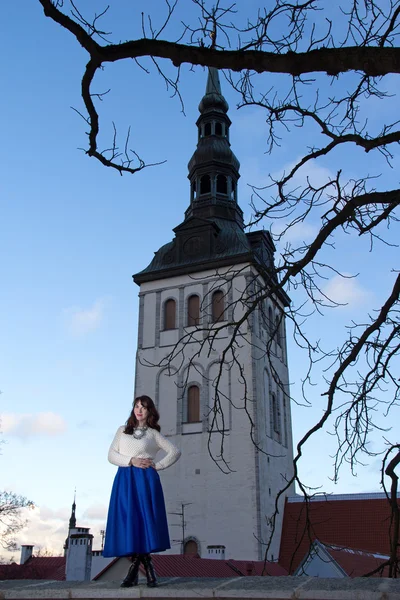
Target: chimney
[26,553]
[216,552]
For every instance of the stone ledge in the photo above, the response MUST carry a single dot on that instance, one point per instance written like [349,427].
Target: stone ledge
[269,588]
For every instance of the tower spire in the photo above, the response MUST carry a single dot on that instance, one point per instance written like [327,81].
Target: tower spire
[213,168]
[213,98]
[72,519]
[212,233]
[213,82]
[71,524]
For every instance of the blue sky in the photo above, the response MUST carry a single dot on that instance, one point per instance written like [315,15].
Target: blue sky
[74,232]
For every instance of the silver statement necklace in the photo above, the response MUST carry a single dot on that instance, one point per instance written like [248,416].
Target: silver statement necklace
[139,432]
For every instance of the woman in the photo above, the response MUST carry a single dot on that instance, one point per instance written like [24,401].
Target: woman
[137,521]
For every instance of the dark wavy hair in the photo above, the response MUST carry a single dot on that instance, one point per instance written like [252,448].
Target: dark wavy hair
[152,415]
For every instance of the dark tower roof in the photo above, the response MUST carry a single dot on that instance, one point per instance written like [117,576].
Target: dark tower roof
[71,524]
[213,98]
[72,519]
[212,234]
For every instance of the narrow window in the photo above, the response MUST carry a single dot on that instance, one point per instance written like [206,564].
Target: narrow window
[276,416]
[193,404]
[169,314]
[218,129]
[285,433]
[193,186]
[270,322]
[233,192]
[218,307]
[205,184]
[278,330]
[273,412]
[207,129]
[193,315]
[222,184]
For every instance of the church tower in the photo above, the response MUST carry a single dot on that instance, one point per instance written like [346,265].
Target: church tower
[218,376]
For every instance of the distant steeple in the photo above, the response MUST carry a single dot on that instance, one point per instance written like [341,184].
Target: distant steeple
[72,519]
[71,524]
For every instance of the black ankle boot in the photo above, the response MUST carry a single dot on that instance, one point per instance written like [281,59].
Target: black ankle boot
[149,568]
[132,576]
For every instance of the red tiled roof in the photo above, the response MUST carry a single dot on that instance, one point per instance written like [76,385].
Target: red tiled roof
[256,568]
[9,571]
[351,523]
[356,563]
[41,567]
[179,565]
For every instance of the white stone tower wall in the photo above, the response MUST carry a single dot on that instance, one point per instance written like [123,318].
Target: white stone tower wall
[270,375]
[222,509]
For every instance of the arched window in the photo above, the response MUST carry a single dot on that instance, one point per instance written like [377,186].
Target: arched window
[193,310]
[222,184]
[190,547]
[207,129]
[218,306]
[170,314]
[193,404]
[205,184]
[218,128]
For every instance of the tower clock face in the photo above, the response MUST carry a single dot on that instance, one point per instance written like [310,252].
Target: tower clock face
[192,246]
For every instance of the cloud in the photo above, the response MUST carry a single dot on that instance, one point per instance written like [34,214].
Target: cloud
[43,530]
[345,290]
[47,529]
[60,514]
[85,424]
[300,232]
[312,173]
[25,426]
[81,321]
[96,512]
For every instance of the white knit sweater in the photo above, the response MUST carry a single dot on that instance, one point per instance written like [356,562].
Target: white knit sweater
[125,446]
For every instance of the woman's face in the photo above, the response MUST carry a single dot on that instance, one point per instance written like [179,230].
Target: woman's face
[141,413]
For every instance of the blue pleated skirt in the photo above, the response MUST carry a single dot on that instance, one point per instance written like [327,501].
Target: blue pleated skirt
[137,520]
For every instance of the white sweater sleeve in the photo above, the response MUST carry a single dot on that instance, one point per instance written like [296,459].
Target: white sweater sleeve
[114,455]
[172,452]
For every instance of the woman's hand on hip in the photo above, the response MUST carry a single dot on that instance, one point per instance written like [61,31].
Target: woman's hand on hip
[141,463]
